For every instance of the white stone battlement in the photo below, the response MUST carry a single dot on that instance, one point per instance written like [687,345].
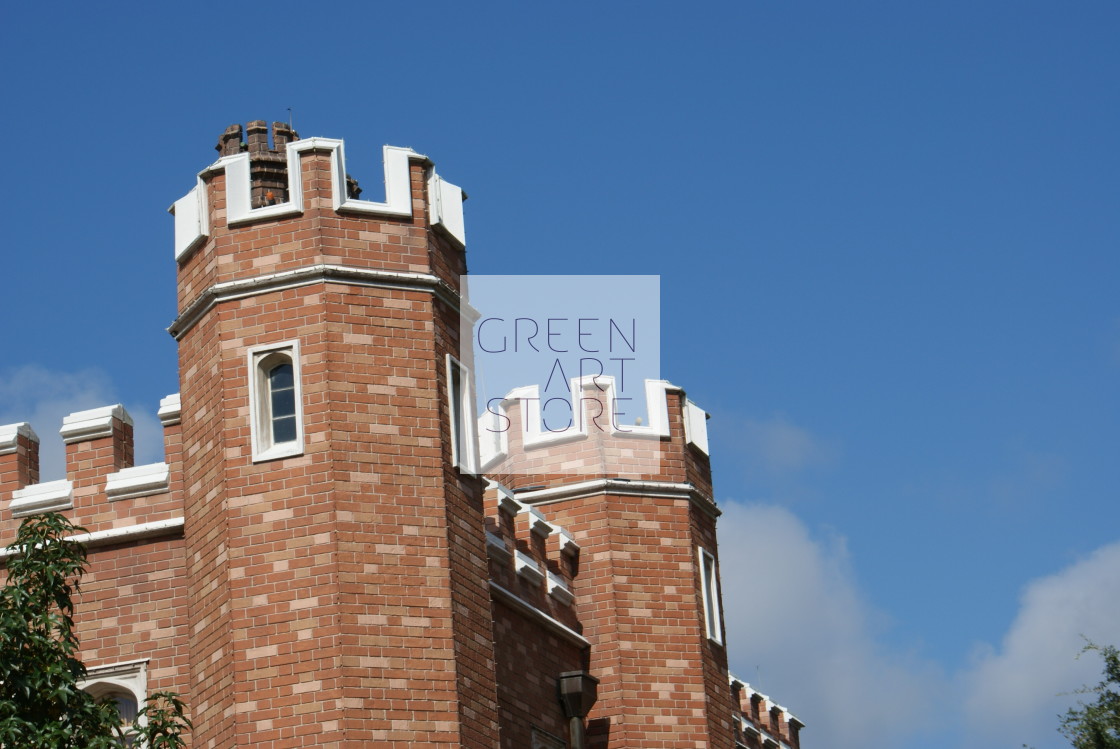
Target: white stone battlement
[192,220]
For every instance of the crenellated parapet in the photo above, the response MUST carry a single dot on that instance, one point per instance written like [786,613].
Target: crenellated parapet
[103,490]
[761,723]
[263,182]
[531,559]
[239,235]
[520,447]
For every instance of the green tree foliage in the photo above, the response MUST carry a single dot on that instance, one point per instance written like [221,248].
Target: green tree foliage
[1097,725]
[41,706]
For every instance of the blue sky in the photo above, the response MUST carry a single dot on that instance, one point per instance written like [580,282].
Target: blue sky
[887,239]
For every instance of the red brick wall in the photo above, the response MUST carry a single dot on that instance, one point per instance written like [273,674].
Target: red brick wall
[530,658]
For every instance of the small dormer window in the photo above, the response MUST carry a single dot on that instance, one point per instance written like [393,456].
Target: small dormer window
[275,401]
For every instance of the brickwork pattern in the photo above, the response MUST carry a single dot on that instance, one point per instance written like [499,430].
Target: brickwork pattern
[365,591]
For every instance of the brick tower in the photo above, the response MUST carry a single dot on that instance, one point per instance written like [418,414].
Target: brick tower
[335,555]
[647,595]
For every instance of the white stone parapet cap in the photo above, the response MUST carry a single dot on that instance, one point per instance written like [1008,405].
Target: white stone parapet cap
[507,503]
[790,717]
[140,481]
[497,545]
[136,532]
[170,410]
[10,434]
[527,567]
[559,590]
[537,522]
[568,543]
[38,498]
[92,424]
[626,487]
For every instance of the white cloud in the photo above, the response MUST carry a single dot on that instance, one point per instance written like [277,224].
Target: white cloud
[1013,695]
[793,608]
[43,397]
[780,446]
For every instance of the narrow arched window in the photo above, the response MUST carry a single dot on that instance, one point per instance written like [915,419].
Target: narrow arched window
[274,401]
[282,402]
[123,700]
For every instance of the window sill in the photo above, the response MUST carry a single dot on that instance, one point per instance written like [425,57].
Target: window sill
[283,450]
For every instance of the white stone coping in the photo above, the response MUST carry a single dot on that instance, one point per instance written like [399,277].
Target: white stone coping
[527,567]
[154,529]
[92,424]
[568,543]
[559,590]
[51,496]
[532,612]
[537,522]
[10,434]
[170,410]
[624,487]
[496,545]
[154,478]
[242,288]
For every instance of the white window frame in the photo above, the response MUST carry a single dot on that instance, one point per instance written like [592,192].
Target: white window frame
[260,407]
[463,403]
[709,587]
[128,676]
